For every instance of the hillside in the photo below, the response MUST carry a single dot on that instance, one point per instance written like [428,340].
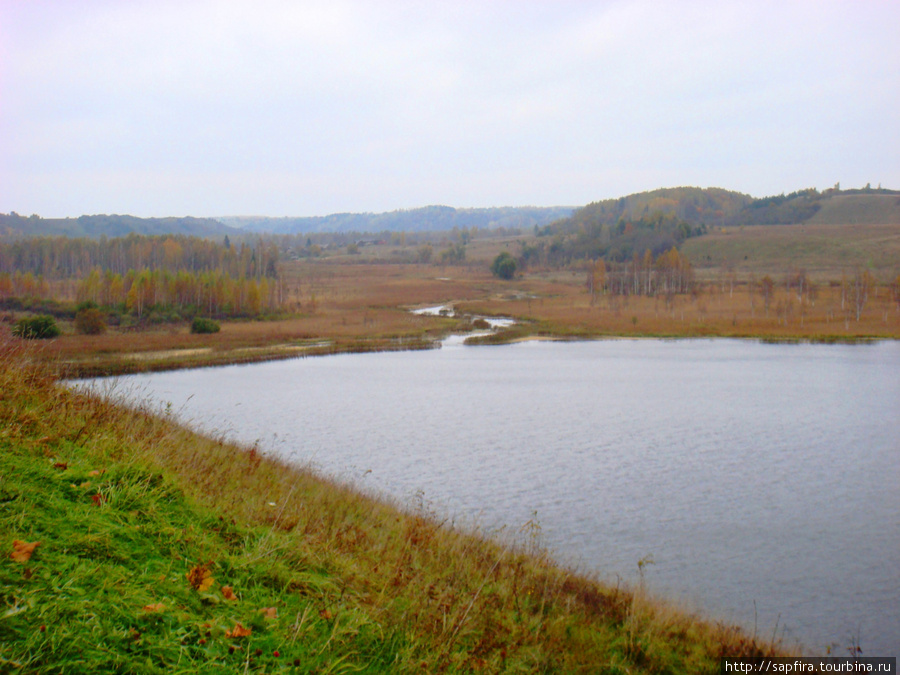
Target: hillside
[831,207]
[425,219]
[859,209]
[618,229]
[12,225]
[823,251]
[698,206]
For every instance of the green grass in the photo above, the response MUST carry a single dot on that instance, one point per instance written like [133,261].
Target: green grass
[127,505]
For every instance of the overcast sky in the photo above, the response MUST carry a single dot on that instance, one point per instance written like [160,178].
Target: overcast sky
[269,107]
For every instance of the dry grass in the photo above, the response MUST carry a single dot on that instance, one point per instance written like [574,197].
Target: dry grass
[565,309]
[825,251]
[356,304]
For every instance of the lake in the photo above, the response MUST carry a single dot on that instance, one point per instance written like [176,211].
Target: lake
[761,479]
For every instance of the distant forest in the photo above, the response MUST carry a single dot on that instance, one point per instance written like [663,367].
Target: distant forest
[13,225]
[425,219]
[613,229]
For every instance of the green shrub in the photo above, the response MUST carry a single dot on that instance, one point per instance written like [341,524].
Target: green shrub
[201,325]
[40,327]
[504,266]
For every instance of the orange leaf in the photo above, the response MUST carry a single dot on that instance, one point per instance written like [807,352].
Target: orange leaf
[97,499]
[238,631]
[61,465]
[22,550]
[269,612]
[325,614]
[156,607]
[228,593]
[97,472]
[200,577]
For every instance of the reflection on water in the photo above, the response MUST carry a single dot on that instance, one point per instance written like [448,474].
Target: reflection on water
[762,479]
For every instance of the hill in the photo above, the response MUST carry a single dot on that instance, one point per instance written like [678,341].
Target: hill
[698,206]
[859,209]
[617,229]
[13,225]
[831,207]
[425,219]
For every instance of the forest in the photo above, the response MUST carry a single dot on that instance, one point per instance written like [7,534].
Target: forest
[170,276]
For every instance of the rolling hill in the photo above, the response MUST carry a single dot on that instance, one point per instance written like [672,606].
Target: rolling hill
[94,227]
[425,219]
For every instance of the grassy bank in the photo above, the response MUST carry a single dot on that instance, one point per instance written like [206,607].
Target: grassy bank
[133,545]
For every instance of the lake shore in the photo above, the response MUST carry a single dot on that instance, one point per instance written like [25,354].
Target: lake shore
[351,580]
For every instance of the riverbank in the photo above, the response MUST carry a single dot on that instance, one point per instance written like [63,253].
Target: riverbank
[136,545]
[364,307]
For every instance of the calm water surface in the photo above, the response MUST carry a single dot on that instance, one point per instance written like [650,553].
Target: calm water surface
[762,479]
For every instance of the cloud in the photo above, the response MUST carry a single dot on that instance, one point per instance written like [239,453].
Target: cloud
[311,107]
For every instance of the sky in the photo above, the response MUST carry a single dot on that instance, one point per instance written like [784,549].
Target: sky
[303,108]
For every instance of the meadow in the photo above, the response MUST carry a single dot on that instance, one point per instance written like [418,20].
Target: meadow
[354,303]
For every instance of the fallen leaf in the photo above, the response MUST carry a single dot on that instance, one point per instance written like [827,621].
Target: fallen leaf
[155,607]
[22,550]
[97,472]
[98,499]
[325,614]
[238,631]
[269,612]
[61,465]
[85,484]
[200,577]
[228,593]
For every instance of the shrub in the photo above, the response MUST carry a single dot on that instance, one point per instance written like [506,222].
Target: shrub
[201,325]
[90,321]
[39,327]
[504,266]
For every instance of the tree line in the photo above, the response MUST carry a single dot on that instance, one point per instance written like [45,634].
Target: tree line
[138,274]
[67,258]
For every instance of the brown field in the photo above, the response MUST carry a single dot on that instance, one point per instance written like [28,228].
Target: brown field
[361,302]
[824,251]
[362,307]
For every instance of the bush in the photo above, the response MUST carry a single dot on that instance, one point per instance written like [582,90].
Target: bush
[90,321]
[201,325]
[504,266]
[36,327]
